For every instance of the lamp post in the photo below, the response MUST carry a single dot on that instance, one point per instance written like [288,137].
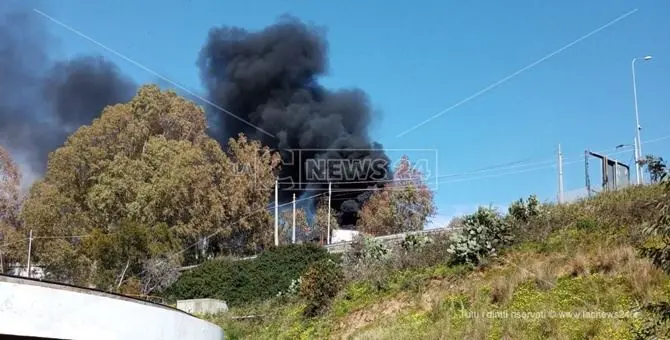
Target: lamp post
[638,151]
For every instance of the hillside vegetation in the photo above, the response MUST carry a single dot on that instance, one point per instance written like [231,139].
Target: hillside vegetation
[536,265]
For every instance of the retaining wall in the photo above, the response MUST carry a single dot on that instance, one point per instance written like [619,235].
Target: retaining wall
[390,239]
[32,308]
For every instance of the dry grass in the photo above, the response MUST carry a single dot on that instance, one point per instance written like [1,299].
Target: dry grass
[577,256]
[497,288]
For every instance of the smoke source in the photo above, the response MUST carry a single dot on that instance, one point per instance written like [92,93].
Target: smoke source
[270,79]
[41,101]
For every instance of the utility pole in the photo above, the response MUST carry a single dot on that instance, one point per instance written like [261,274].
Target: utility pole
[638,147]
[560,175]
[293,238]
[637,128]
[276,213]
[30,246]
[638,170]
[586,173]
[330,193]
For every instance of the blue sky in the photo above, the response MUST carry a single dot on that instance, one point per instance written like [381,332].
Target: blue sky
[415,60]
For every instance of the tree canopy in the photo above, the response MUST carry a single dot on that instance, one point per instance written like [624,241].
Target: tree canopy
[286,225]
[10,181]
[319,228]
[145,179]
[405,204]
[11,245]
[656,167]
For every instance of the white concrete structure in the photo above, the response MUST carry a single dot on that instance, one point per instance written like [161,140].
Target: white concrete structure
[20,270]
[53,311]
[342,246]
[202,306]
[342,235]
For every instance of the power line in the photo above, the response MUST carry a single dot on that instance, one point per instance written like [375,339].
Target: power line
[509,165]
[504,166]
[522,163]
[220,230]
[60,237]
[524,171]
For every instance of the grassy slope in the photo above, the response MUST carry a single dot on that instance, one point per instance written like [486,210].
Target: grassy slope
[583,261]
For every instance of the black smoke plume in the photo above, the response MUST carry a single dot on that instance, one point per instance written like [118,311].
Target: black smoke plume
[270,79]
[43,101]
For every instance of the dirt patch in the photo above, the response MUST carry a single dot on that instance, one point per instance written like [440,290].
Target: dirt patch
[359,319]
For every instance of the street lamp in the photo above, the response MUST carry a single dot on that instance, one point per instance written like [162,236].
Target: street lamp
[638,150]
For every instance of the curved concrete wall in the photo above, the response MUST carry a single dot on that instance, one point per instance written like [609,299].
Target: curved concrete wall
[48,310]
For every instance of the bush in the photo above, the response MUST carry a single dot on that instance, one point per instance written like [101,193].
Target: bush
[483,234]
[524,211]
[293,289]
[365,248]
[657,249]
[320,284]
[625,209]
[243,281]
[415,242]
[586,224]
[416,251]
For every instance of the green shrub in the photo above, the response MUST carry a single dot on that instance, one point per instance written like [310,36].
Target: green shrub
[238,282]
[416,251]
[320,284]
[293,288]
[524,211]
[483,234]
[415,242]
[365,248]
[586,224]
[657,249]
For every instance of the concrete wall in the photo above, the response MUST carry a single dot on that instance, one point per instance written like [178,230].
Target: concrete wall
[342,235]
[49,310]
[202,306]
[390,240]
[341,247]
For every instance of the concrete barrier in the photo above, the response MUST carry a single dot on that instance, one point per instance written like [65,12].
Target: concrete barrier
[32,308]
[202,306]
[341,247]
[390,239]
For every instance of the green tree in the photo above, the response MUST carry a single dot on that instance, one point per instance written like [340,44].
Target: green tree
[144,166]
[523,211]
[286,225]
[319,227]
[10,183]
[12,245]
[656,167]
[403,205]
[122,253]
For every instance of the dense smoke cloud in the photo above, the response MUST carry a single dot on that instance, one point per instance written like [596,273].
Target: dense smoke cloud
[270,79]
[42,101]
